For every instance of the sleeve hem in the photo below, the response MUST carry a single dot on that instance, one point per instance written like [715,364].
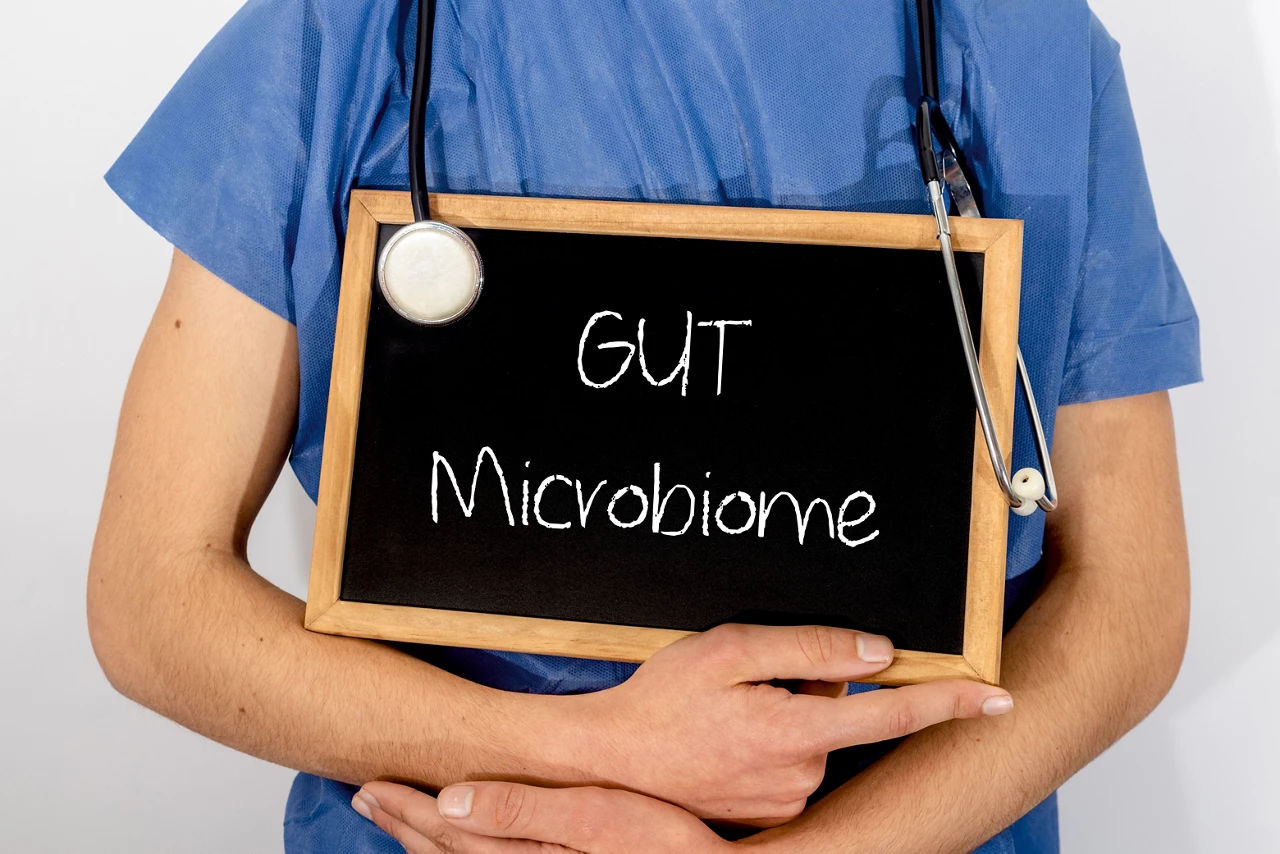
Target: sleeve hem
[189,246]
[1170,352]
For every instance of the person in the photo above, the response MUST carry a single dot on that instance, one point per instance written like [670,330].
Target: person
[245,167]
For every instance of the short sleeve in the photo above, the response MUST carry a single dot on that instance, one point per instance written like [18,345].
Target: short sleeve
[244,164]
[1134,328]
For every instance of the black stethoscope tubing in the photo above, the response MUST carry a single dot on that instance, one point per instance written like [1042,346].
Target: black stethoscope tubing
[929,102]
[418,111]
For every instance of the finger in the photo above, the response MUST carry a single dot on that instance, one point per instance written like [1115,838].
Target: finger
[413,818]
[407,835]
[516,811]
[404,804]
[893,713]
[823,653]
[586,818]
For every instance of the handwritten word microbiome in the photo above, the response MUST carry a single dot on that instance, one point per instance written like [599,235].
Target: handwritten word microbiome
[630,505]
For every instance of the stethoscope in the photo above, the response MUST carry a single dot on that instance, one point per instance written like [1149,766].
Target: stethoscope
[1027,488]
[431,273]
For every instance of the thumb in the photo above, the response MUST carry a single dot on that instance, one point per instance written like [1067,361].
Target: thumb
[516,811]
[582,818]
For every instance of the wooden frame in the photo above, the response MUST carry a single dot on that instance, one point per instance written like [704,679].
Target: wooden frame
[999,240]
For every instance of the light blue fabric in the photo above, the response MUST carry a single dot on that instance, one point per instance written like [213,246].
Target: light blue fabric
[247,164]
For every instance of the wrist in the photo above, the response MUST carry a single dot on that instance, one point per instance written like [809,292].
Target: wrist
[798,835]
[563,739]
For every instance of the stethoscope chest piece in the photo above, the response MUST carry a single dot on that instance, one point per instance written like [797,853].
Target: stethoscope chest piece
[430,273]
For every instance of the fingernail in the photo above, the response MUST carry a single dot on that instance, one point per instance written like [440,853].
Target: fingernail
[874,649]
[997,705]
[455,801]
[363,802]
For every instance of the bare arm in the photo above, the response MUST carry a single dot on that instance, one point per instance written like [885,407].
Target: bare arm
[1091,658]
[181,623]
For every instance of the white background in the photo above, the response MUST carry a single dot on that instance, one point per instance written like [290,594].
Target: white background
[84,769]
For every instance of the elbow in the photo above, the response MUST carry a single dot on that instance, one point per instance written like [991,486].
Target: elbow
[1165,642]
[1175,649]
[117,643]
[104,632]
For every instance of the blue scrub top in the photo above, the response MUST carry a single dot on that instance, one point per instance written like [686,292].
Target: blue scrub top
[247,164]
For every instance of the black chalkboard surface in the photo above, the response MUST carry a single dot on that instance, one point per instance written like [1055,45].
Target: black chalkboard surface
[635,435]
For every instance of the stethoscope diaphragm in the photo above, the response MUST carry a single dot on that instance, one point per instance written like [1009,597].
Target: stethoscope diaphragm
[430,273]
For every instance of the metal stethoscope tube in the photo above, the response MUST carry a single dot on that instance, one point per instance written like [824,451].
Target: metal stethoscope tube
[1026,489]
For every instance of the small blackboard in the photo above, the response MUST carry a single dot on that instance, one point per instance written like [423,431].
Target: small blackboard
[659,418]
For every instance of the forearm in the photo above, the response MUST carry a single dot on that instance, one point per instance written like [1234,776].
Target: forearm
[181,623]
[202,639]
[954,786]
[1092,656]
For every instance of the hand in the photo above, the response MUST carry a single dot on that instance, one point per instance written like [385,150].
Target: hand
[700,725]
[508,818]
